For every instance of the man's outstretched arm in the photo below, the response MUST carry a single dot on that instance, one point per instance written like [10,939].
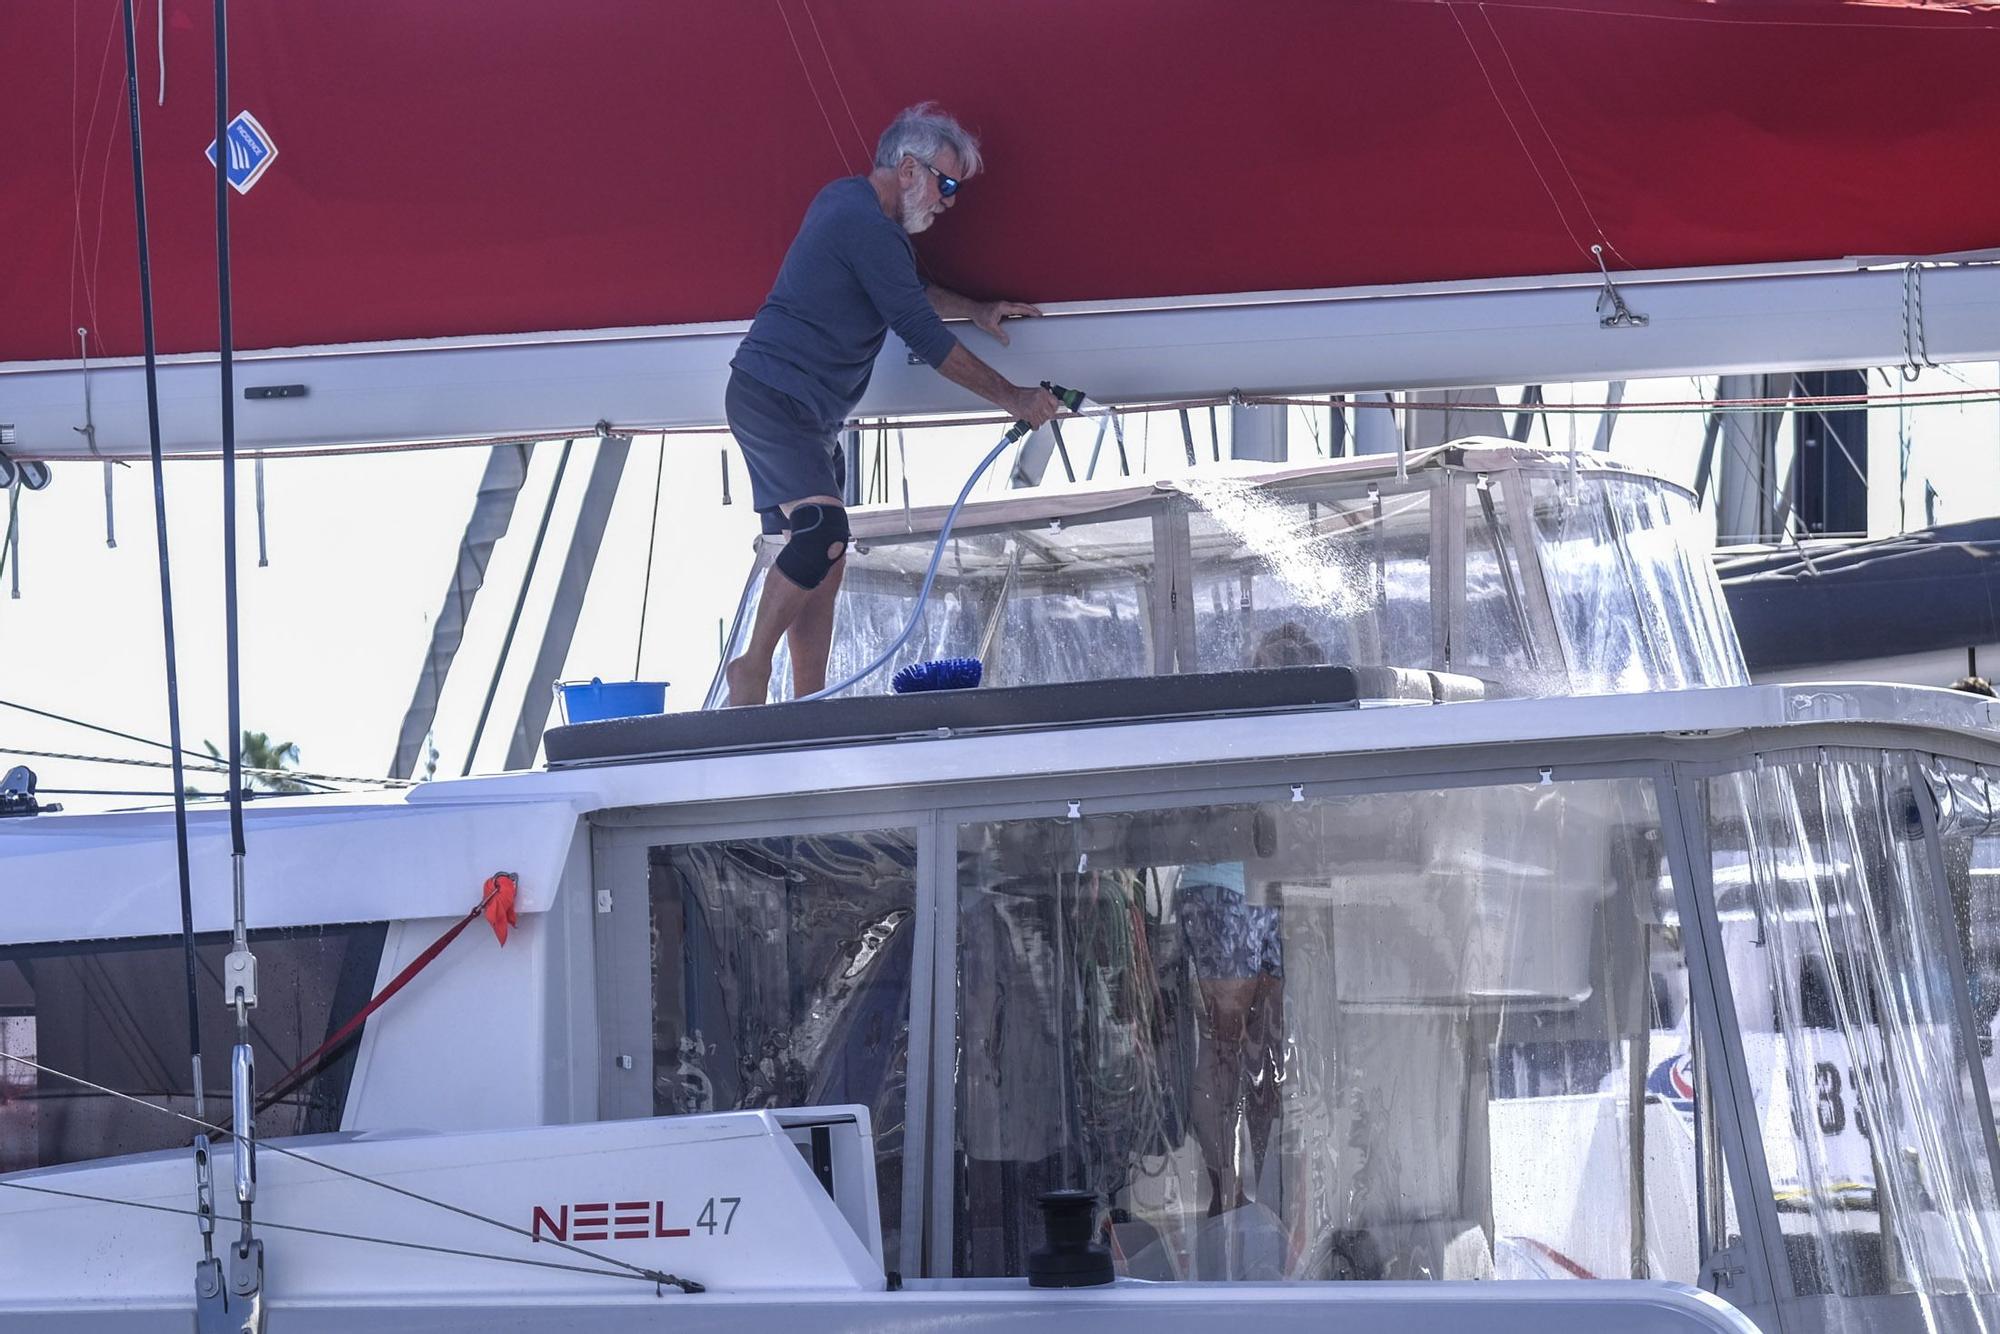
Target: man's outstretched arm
[985,315]
[1035,406]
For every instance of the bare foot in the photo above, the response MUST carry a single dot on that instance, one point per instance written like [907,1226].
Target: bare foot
[746,684]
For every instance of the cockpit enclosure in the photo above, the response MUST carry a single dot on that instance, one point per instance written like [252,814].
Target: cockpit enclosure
[1541,573]
[1712,1004]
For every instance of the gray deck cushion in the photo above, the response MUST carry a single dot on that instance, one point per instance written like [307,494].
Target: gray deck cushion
[1081,703]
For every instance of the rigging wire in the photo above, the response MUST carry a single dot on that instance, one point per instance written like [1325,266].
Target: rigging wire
[834,73]
[520,601]
[201,768]
[652,536]
[1547,137]
[122,792]
[813,87]
[1312,427]
[201,762]
[82,276]
[7,539]
[246,1267]
[227,366]
[351,1236]
[1785,533]
[183,878]
[1839,443]
[1534,164]
[347,1172]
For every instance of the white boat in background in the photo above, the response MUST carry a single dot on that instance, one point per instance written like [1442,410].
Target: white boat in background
[1331,862]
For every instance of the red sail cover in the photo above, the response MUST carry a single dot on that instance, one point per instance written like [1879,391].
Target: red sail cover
[516,165]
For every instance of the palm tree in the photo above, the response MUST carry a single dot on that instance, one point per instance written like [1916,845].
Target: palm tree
[260,752]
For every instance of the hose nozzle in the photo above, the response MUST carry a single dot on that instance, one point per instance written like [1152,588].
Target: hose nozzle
[1071,399]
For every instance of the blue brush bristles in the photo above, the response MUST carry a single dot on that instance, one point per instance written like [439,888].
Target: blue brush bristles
[944,674]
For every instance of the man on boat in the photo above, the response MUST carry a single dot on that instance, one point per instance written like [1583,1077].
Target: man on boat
[850,276]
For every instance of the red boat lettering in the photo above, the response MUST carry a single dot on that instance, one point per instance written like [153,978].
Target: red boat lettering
[660,1228]
[593,1222]
[558,1226]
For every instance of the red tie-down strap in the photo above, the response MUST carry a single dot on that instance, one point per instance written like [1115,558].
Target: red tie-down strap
[496,904]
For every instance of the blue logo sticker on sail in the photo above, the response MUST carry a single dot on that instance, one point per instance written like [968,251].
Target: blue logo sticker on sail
[251,150]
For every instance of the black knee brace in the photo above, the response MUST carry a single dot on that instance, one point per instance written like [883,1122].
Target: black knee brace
[815,529]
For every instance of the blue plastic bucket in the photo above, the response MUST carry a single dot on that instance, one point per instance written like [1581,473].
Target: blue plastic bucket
[593,701]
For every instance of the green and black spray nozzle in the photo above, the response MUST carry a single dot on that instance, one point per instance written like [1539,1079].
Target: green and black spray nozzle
[1071,399]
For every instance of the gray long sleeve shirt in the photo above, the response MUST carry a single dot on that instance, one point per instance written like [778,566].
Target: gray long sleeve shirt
[850,276]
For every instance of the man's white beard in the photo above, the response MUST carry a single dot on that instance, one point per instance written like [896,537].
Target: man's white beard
[915,216]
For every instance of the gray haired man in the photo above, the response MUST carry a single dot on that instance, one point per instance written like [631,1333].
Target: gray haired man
[849,277]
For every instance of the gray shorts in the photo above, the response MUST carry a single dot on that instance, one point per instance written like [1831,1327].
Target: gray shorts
[790,453]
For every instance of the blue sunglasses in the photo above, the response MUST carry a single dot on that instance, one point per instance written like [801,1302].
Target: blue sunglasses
[947,185]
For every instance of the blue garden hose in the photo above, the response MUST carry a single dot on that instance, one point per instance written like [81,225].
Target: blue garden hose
[1072,400]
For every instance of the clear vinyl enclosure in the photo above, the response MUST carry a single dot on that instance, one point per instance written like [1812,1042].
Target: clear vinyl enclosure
[1253,1028]
[1541,574]
[1724,1022]
[1705,1007]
